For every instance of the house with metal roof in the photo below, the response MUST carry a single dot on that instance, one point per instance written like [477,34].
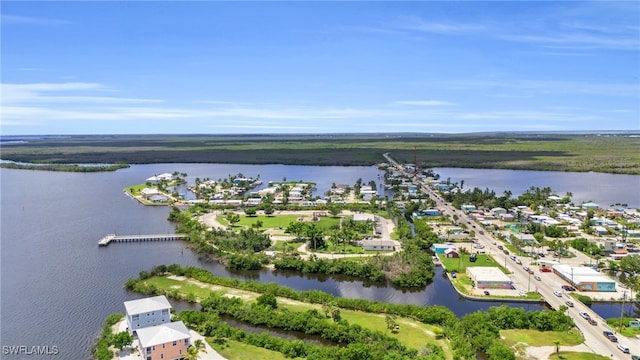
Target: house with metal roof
[147,312]
[167,342]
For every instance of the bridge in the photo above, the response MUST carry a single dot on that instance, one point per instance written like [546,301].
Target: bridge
[105,241]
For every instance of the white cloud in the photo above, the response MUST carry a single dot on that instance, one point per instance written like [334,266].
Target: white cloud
[34,94]
[9,19]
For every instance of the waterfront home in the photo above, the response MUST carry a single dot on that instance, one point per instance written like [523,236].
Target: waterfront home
[253,201]
[167,342]
[488,277]
[439,249]
[147,312]
[147,193]
[158,178]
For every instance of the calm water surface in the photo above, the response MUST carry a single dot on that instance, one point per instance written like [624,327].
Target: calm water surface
[58,286]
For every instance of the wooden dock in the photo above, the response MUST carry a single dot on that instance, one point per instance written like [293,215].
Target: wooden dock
[138,238]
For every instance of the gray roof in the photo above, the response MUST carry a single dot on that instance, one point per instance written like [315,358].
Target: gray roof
[146,305]
[162,334]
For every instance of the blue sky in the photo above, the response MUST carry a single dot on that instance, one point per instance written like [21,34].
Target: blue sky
[319,67]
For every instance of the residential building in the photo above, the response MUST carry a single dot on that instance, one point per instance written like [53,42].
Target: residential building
[147,312]
[164,342]
[380,245]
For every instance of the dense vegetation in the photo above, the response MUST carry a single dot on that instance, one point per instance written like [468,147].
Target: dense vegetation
[242,249]
[101,350]
[566,152]
[65,167]
[475,332]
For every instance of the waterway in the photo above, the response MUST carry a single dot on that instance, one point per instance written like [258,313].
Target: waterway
[58,285]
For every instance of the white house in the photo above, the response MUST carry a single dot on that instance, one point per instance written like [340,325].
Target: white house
[158,178]
[379,245]
[146,312]
[146,193]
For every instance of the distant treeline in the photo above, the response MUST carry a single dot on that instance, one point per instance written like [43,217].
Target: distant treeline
[65,167]
[613,153]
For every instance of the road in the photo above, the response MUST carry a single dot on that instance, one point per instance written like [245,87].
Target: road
[594,339]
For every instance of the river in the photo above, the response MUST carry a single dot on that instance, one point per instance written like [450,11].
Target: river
[58,285]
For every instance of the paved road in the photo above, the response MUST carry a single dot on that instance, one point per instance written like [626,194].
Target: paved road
[550,282]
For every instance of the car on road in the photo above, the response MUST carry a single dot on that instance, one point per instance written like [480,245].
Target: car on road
[518,261]
[522,293]
[635,357]
[584,315]
[609,335]
[568,288]
[537,278]
[569,303]
[530,271]
[486,292]
[526,268]
[592,322]
[544,269]
[623,348]
[540,254]
[506,252]
[557,293]
[500,247]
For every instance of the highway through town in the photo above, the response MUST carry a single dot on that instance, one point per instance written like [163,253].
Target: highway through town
[593,334]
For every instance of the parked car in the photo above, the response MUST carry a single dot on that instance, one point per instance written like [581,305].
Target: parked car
[453,274]
[585,315]
[569,303]
[526,268]
[544,269]
[530,271]
[635,357]
[486,292]
[557,293]
[537,278]
[568,288]
[540,254]
[623,348]
[522,293]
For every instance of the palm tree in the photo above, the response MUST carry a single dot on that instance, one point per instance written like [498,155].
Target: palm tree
[557,343]
[194,350]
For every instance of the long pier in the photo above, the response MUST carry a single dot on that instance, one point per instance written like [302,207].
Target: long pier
[138,238]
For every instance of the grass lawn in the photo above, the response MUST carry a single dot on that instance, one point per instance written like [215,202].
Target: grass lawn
[413,334]
[135,189]
[282,221]
[460,264]
[235,350]
[625,330]
[540,338]
[568,355]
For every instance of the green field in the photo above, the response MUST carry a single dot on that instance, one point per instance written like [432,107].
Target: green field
[540,338]
[461,263]
[553,152]
[283,221]
[412,333]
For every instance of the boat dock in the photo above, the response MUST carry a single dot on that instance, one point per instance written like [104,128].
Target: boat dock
[138,238]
